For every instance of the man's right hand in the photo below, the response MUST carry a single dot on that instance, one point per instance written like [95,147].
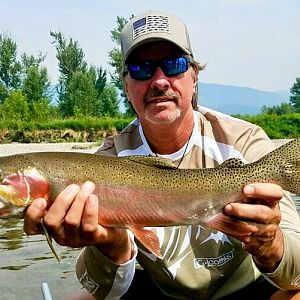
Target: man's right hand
[72,220]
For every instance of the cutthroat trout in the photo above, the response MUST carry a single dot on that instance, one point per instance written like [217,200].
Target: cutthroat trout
[137,191]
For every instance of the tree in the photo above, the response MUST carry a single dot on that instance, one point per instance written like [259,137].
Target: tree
[100,81]
[295,95]
[36,84]
[36,89]
[70,56]
[282,109]
[81,98]
[115,56]
[80,86]
[109,102]
[29,61]
[10,68]
[14,109]
[3,92]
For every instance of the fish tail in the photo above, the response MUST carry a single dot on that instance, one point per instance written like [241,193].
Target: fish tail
[287,157]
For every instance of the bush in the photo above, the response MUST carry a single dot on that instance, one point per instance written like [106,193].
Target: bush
[14,111]
[277,126]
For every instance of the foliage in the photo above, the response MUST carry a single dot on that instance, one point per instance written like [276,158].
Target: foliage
[109,102]
[81,98]
[10,68]
[3,92]
[100,79]
[295,95]
[84,123]
[14,110]
[283,108]
[277,126]
[29,61]
[115,61]
[82,88]
[40,110]
[69,55]
[36,84]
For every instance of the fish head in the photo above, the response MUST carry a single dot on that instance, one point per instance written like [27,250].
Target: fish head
[18,190]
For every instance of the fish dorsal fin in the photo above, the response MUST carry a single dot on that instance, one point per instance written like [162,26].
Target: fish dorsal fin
[232,163]
[152,161]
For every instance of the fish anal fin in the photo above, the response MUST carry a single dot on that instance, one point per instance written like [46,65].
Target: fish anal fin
[232,163]
[148,239]
[152,161]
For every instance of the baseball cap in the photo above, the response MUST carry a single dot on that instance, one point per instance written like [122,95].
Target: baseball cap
[154,26]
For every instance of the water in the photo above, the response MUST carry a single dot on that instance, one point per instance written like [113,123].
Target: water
[27,262]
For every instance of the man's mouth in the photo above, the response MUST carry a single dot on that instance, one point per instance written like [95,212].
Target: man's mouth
[159,100]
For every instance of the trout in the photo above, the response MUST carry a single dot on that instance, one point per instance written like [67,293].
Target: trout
[137,191]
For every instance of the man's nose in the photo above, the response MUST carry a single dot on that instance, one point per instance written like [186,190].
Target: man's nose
[160,80]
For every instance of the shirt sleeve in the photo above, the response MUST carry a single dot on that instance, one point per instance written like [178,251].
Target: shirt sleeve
[101,277]
[287,274]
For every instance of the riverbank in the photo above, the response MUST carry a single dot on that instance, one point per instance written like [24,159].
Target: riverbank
[15,148]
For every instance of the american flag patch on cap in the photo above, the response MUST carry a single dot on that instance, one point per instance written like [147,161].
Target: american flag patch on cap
[151,24]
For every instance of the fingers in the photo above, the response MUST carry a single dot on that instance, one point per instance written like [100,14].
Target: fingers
[90,227]
[34,215]
[60,206]
[64,218]
[260,204]
[268,193]
[254,213]
[73,217]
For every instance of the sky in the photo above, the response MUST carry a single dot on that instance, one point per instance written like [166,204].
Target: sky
[248,43]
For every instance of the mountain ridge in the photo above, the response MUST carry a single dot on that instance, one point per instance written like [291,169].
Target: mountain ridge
[233,100]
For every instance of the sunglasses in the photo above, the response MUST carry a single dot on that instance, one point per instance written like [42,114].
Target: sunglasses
[170,66]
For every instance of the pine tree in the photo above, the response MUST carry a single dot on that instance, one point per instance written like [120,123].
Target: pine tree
[295,95]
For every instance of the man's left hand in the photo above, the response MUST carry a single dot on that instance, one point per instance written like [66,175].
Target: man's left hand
[255,222]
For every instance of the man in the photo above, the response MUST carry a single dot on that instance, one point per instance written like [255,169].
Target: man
[251,258]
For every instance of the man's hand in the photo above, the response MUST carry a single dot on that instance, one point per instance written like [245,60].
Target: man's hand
[72,220]
[255,222]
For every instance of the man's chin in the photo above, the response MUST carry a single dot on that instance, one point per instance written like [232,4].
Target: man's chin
[162,117]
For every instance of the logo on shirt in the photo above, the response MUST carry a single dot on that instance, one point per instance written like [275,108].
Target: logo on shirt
[213,261]
[88,283]
[296,282]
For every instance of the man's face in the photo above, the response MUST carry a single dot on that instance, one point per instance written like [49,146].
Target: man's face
[160,99]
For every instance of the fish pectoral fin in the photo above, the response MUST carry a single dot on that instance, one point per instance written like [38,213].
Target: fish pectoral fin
[232,163]
[152,161]
[49,241]
[148,239]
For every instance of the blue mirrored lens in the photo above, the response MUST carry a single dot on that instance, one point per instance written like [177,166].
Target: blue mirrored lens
[174,66]
[141,71]
[170,67]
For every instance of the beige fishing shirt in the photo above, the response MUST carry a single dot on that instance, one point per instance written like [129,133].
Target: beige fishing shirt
[197,263]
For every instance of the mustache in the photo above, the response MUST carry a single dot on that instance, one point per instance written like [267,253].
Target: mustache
[155,92]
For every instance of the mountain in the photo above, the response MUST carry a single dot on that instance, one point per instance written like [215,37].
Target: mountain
[238,100]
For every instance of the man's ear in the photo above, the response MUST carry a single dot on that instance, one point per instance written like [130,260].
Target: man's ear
[195,85]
